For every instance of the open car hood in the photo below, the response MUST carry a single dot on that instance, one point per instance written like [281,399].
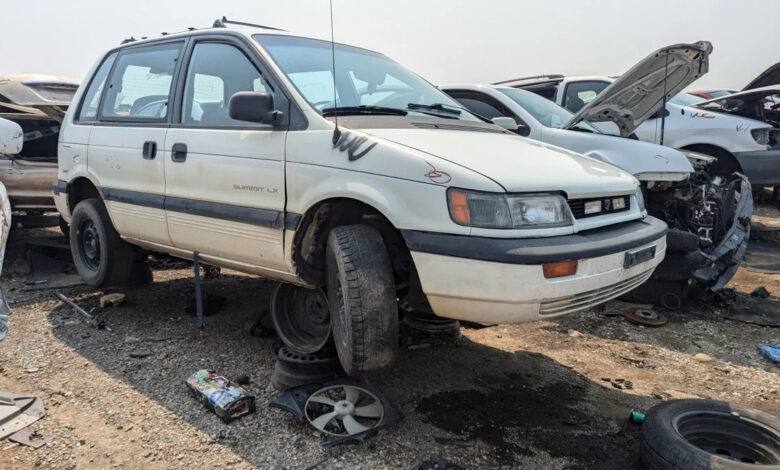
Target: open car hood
[638,94]
[734,99]
[770,76]
[36,95]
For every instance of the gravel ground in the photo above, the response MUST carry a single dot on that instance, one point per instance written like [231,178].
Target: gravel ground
[536,395]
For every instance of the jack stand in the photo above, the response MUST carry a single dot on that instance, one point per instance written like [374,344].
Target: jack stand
[198,298]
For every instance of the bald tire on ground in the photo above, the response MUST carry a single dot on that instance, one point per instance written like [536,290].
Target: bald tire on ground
[361,298]
[121,264]
[662,447]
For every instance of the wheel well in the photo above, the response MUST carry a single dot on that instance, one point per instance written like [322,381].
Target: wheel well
[80,189]
[311,237]
[727,163]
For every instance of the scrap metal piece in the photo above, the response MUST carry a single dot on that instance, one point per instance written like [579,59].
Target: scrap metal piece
[114,299]
[645,317]
[17,412]
[91,320]
[333,406]
[31,439]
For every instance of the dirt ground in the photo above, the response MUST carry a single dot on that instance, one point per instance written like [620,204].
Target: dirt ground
[536,395]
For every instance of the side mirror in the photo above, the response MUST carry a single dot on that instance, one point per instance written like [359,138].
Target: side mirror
[11,137]
[253,106]
[505,122]
[659,113]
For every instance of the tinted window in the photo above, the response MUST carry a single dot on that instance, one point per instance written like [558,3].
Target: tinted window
[89,104]
[140,86]
[578,94]
[216,72]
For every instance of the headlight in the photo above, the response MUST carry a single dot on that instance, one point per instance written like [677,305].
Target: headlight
[494,210]
[640,199]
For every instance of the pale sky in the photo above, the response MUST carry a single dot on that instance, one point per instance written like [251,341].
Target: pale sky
[445,41]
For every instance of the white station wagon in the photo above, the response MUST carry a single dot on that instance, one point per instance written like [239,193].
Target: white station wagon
[228,142]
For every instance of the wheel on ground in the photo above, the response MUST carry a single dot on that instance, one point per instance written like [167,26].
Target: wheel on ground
[709,434]
[293,370]
[101,257]
[362,299]
[679,240]
[679,266]
[301,317]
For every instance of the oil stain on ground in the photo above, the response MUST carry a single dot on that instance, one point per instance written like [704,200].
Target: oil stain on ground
[519,419]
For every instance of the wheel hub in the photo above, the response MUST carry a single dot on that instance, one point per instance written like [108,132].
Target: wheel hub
[89,239]
[301,318]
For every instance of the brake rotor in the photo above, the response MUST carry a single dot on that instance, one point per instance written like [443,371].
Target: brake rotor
[344,410]
[641,316]
[301,317]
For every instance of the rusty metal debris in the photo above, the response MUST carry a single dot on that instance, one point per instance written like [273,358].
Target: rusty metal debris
[347,409]
[91,320]
[32,439]
[17,412]
[645,317]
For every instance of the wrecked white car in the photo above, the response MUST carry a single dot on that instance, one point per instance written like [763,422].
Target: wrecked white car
[390,194]
[37,103]
[708,214]
[11,142]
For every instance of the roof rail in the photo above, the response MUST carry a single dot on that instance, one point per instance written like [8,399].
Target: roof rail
[550,76]
[223,22]
[128,40]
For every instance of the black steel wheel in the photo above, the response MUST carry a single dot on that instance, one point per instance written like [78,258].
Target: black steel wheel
[293,369]
[709,434]
[301,317]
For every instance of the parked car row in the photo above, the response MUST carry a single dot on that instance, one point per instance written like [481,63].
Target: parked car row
[367,190]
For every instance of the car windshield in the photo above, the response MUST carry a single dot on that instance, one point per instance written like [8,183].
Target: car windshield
[545,111]
[366,81]
[686,99]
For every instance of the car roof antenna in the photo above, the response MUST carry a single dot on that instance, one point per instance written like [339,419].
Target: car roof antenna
[336,131]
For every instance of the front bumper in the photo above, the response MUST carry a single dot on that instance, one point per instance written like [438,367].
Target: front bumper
[724,260]
[489,280]
[761,167]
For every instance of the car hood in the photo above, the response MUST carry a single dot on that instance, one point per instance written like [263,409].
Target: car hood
[37,95]
[637,94]
[645,160]
[515,163]
[734,99]
[770,76]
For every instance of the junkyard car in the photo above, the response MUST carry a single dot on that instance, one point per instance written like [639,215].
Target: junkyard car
[228,142]
[709,215]
[631,106]
[37,103]
[11,142]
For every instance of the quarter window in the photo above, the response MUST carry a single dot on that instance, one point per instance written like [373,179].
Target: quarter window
[140,86]
[89,105]
[216,72]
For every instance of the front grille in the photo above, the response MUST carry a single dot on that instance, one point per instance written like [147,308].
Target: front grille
[577,206]
[591,298]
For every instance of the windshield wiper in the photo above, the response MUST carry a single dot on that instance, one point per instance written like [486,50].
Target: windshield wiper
[440,107]
[363,109]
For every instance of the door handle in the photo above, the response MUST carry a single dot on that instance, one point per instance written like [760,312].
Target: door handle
[179,152]
[149,150]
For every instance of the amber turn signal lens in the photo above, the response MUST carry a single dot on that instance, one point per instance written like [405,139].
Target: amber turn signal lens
[560,269]
[460,207]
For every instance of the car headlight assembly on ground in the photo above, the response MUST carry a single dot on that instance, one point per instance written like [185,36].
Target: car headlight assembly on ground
[502,211]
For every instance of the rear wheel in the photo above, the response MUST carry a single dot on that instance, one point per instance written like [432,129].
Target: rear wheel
[361,298]
[101,257]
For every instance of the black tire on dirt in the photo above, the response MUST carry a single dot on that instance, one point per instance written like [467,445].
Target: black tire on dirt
[361,298]
[709,434]
[678,266]
[678,240]
[101,257]
[657,292]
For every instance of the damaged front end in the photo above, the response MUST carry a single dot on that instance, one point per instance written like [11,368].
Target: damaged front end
[716,210]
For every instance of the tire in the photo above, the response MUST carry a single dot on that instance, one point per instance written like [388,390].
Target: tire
[678,240]
[101,257]
[678,266]
[656,292]
[673,432]
[293,370]
[361,299]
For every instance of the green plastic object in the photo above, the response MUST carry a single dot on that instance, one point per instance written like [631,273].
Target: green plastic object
[636,416]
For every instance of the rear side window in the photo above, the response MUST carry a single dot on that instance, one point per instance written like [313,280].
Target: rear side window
[140,86]
[578,94]
[89,105]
